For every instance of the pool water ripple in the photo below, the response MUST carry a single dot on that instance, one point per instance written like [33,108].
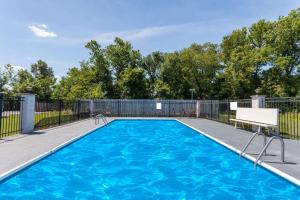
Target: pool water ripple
[146,159]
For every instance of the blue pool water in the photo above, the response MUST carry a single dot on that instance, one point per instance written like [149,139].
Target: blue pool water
[145,159]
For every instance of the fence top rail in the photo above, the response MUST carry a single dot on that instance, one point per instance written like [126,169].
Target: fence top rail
[225,101]
[141,100]
[12,98]
[60,100]
[297,97]
[282,99]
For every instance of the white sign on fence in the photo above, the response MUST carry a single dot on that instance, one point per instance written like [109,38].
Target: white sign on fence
[233,105]
[158,106]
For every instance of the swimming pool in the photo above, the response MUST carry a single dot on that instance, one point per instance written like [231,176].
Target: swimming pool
[145,159]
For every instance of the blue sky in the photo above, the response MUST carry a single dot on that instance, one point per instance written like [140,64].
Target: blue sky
[56,30]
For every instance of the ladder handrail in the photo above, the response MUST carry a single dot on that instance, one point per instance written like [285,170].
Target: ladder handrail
[267,145]
[97,117]
[247,145]
[258,132]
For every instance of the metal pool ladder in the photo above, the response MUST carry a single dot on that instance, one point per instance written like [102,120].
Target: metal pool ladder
[267,145]
[100,116]
[259,132]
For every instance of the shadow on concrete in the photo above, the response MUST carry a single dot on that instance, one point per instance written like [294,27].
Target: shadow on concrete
[19,136]
[279,162]
[256,154]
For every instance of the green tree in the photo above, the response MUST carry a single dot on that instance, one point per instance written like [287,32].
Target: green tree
[121,56]
[41,80]
[240,67]
[173,80]
[285,43]
[7,78]
[44,79]
[152,65]
[259,36]
[24,80]
[100,65]
[133,83]
[3,80]
[201,64]
[79,84]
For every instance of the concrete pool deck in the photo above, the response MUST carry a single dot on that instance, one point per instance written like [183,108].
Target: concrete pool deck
[18,150]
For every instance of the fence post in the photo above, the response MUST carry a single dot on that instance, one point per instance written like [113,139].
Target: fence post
[211,107]
[143,105]
[27,112]
[1,108]
[258,101]
[78,109]
[228,111]
[91,105]
[198,109]
[169,108]
[59,111]
[118,107]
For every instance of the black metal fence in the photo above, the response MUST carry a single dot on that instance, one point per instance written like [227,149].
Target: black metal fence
[10,115]
[289,115]
[219,110]
[146,108]
[56,112]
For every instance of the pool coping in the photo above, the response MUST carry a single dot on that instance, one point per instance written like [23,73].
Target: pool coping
[270,168]
[15,170]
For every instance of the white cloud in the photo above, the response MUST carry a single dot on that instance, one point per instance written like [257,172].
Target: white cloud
[135,34]
[203,27]
[139,34]
[41,30]
[204,30]
[44,26]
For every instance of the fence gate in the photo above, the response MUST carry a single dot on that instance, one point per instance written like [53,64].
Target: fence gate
[10,115]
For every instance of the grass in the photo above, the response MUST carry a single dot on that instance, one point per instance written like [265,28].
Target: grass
[289,123]
[53,118]
[11,125]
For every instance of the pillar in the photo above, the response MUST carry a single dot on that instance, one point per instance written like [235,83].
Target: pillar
[27,112]
[198,109]
[258,101]
[92,108]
